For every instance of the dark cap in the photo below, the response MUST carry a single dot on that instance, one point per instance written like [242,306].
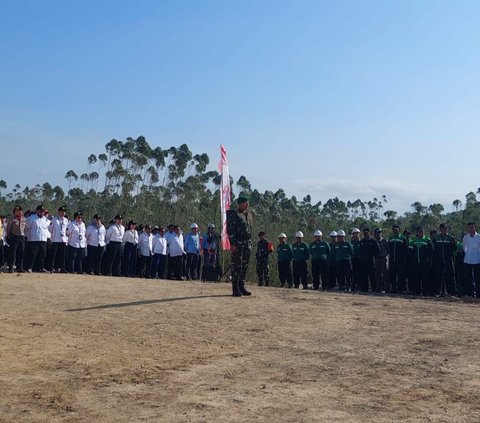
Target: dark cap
[443,226]
[118,217]
[366,230]
[433,231]
[77,213]
[97,216]
[132,222]
[40,207]
[378,230]
[396,226]
[419,228]
[242,199]
[62,208]
[147,226]
[17,208]
[406,232]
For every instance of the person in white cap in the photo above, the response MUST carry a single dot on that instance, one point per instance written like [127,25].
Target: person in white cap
[284,258]
[301,253]
[332,273]
[343,252]
[192,248]
[320,252]
[355,241]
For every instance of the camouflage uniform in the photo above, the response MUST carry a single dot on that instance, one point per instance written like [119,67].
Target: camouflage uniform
[263,271]
[239,228]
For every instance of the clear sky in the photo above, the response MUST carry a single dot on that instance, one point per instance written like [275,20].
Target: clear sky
[332,98]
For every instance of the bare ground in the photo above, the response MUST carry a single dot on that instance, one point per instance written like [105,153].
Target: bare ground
[93,349]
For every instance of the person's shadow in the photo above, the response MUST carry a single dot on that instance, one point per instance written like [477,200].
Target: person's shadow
[145,302]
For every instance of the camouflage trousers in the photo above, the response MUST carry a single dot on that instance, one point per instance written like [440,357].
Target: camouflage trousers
[240,260]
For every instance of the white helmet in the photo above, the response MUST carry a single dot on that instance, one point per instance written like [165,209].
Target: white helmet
[317,233]
[333,233]
[355,231]
[282,235]
[299,234]
[193,226]
[341,232]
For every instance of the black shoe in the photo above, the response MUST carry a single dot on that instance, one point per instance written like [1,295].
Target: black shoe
[237,294]
[243,291]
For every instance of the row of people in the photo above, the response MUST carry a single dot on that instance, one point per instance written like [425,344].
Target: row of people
[417,264]
[56,244]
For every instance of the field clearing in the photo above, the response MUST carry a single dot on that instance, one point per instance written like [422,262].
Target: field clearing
[96,349]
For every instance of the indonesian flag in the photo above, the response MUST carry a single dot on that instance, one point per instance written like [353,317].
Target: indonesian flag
[225,196]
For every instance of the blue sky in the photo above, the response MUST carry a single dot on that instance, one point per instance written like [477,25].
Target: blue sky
[342,98]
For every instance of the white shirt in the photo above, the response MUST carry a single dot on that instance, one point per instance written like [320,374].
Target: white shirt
[471,246]
[145,244]
[36,228]
[130,236]
[76,234]
[175,246]
[159,245]
[115,233]
[95,235]
[58,229]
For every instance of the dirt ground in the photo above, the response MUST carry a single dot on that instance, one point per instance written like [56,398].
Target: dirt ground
[94,349]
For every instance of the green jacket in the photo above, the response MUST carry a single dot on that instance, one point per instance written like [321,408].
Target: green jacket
[422,249]
[300,251]
[320,250]
[284,252]
[356,247]
[342,251]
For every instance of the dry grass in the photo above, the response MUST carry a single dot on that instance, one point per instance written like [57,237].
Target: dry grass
[89,349]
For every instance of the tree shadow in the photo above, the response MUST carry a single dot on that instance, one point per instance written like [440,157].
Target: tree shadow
[145,302]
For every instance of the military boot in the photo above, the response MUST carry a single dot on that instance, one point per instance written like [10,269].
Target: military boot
[235,290]
[241,288]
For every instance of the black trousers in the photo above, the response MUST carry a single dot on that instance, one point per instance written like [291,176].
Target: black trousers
[75,259]
[285,273]
[57,256]
[420,280]
[176,264]
[320,272]
[355,273]
[16,252]
[35,252]
[472,280]
[367,274]
[94,259]
[332,276]
[192,265]
[397,276]
[158,266]
[144,264]
[343,270]
[300,273]
[113,259]
[444,277]
[129,259]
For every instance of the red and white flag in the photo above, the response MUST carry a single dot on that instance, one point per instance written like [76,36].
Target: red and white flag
[225,195]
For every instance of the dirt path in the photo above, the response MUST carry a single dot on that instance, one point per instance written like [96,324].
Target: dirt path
[90,349]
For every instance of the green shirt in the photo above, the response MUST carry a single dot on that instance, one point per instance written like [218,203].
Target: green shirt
[284,252]
[320,250]
[300,251]
[342,251]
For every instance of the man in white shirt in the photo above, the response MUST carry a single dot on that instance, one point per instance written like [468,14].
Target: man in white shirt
[176,252]
[145,245]
[36,229]
[76,244]
[95,236]
[114,250]
[159,249]
[58,231]
[169,235]
[471,246]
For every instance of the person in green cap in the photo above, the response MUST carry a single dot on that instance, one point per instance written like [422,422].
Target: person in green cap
[239,229]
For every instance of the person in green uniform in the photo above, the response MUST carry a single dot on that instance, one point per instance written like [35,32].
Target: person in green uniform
[343,253]
[397,260]
[332,274]
[239,229]
[320,252]
[422,253]
[444,247]
[284,258]
[355,241]
[301,254]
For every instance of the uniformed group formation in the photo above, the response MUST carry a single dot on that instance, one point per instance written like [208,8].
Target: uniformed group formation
[38,242]
[405,263]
